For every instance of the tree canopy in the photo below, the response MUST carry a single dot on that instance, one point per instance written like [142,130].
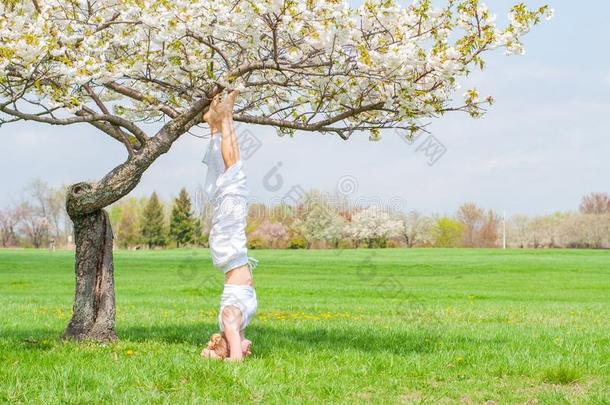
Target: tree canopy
[310,65]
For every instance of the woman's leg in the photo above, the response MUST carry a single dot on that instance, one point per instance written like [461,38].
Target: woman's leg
[229,146]
[228,143]
[219,117]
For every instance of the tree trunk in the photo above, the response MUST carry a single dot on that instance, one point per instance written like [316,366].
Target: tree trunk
[94,306]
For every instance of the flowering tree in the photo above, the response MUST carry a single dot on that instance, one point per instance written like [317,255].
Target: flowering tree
[417,228]
[319,220]
[271,232]
[374,224]
[301,65]
[595,203]
[9,218]
[518,227]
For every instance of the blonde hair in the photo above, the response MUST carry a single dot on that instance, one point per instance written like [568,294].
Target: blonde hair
[220,345]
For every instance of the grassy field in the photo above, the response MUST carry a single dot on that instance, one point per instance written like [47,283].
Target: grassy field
[352,326]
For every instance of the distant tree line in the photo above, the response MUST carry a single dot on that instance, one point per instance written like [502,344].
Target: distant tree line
[319,221]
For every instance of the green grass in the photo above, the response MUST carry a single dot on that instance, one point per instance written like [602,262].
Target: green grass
[352,326]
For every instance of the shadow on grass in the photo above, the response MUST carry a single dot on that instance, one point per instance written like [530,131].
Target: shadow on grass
[268,339]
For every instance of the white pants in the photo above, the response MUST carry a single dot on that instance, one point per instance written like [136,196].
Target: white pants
[242,297]
[228,241]
[230,211]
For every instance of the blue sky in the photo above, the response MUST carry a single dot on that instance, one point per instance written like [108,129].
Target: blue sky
[542,146]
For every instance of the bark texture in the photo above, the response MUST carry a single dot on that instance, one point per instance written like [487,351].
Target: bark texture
[94,305]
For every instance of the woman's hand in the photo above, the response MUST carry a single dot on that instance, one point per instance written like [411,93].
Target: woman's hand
[220,110]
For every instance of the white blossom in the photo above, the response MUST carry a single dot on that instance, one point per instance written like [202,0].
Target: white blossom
[322,58]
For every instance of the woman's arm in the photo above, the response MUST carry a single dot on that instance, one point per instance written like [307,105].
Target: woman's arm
[231,320]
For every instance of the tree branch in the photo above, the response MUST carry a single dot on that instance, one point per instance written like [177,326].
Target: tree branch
[136,95]
[112,130]
[79,118]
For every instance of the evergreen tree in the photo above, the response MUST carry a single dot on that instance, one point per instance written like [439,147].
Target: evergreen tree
[152,227]
[182,223]
[199,238]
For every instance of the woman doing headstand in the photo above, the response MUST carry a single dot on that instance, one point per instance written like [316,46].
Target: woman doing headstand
[226,184]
